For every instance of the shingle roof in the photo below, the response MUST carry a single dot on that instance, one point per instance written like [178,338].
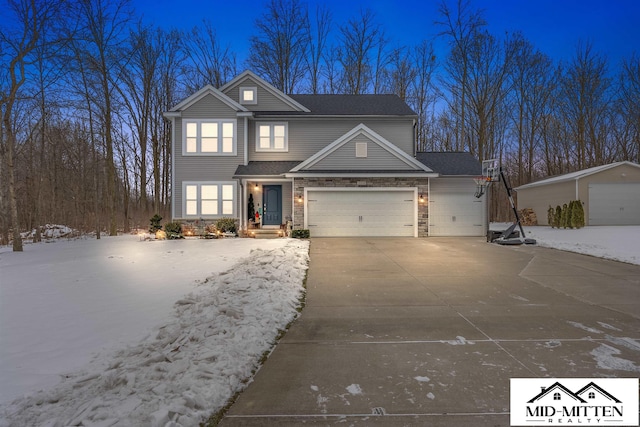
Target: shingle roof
[349,105]
[576,175]
[451,163]
[268,168]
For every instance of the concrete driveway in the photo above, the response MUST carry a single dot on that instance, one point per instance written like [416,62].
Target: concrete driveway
[414,332]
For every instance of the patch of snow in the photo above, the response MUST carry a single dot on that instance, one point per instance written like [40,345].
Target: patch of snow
[619,243]
[606,358]
[422,379]
[583,327]
[354,389]
[203,352]
[460,341]
[610,327]
[431,396]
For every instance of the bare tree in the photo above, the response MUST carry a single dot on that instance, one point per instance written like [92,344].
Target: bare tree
[208,62]
[629,109]
[460,26]
[585,100]
[102,38]
[139,78]
[279,51]
[532,86]
[360,39]
[165,95]
[30,20]
[422,94]
[318,35]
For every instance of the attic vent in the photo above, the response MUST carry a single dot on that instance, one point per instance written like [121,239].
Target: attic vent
[361,149]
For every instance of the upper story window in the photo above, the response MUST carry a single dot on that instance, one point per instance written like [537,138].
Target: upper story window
[248,95]
[209,137]
[272,137]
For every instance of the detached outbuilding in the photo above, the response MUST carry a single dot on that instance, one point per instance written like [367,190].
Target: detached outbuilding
[610,194]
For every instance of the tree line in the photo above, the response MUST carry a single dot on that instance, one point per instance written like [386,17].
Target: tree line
[83,85]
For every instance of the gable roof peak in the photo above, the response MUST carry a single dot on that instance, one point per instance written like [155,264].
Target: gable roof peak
[267,86]
[207,90]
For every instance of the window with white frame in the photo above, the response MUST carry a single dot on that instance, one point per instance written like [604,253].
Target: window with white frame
[248,95]
[272,137]
[209,137]
[207,199]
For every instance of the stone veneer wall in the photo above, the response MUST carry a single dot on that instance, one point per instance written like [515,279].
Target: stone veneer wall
[422,184]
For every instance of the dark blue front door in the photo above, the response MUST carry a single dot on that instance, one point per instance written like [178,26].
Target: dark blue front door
[272,205]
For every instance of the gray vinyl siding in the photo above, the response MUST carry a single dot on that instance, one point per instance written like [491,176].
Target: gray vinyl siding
[345,158]
[209,107]
[205,168]
[266,101]
[308,136]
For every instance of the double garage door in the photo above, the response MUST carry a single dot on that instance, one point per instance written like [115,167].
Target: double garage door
[347,212]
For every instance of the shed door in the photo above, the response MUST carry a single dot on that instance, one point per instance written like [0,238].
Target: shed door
[453,208]
[614,204]
[361,213]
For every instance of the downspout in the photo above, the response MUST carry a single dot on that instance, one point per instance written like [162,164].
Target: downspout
[243,216]
[577,198]
[173,168]
[246,140]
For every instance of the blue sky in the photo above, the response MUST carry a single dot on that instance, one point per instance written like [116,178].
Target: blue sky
[553,26]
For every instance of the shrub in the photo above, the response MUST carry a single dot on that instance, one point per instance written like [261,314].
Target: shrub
[155,224]
[551,217]
[577,214]
[227,225]
[564,217]
[300,234]
[174,230]
[557,219]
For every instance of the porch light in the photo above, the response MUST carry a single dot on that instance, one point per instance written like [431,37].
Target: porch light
[300,199]
[256,187]
[421,198]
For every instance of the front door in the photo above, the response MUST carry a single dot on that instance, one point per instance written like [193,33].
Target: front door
[272,205]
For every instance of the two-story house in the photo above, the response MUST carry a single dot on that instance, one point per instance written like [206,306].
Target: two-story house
[338,165]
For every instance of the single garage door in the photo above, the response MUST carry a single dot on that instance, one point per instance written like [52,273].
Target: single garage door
[453,208]
[614,204]
[338,213]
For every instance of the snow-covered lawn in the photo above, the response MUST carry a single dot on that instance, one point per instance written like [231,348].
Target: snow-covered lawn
[120,331]
[124,332]
[620,243]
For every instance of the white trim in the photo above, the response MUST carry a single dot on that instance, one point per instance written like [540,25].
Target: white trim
[362,129]
[413,190]
[220,200]
[576,175]
[266,86]
[362,175]
[173,168]
[253,90]
[246,141]
[220,137]
[271,137]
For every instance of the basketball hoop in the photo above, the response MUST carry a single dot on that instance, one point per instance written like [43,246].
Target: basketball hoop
[481,185]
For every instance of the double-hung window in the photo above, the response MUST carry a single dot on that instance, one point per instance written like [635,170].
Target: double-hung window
[272,137]
[209,199]
[209,137]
